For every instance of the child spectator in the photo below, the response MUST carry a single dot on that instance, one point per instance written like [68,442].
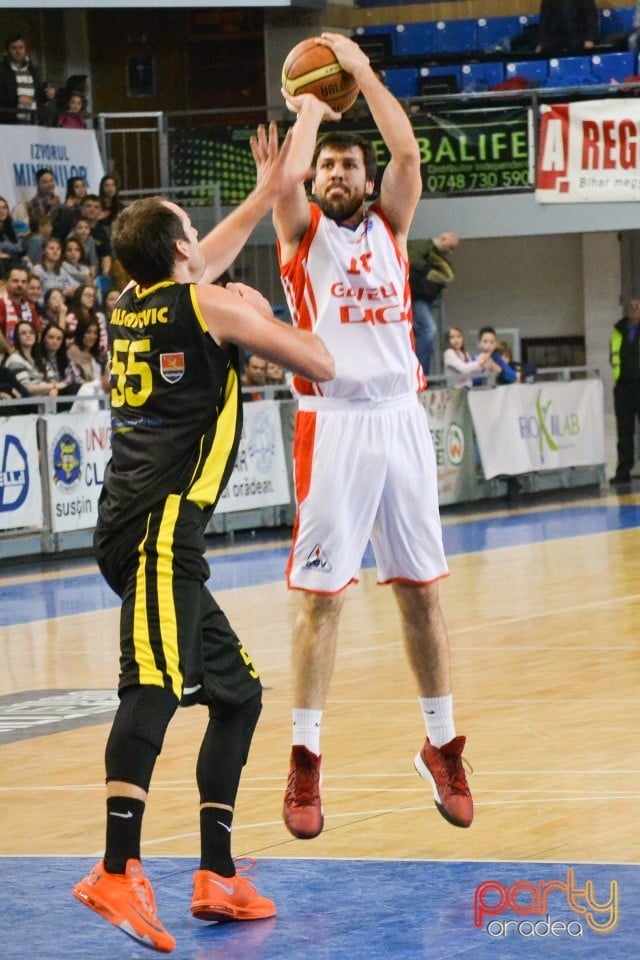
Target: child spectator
[73,264]
[37,240]
[83,233]
[50,270]
[72,117]
[459,368]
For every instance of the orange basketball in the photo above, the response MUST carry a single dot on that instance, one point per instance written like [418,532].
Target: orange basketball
[312,68]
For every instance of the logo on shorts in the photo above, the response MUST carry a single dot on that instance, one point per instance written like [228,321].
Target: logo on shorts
[318,560]
[172,366]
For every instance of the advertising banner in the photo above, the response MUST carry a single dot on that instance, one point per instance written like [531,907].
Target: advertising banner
[589,152]
[524,428]
[67,153]
[260,476]
[78,448]
[452,434]
[20,487]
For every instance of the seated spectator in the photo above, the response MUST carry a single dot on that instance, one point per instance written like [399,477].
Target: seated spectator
[109,303]
[55,309]
[82,232]
[12,247]
[275,376]
[71,210]
[72,118]
[50,270]
[459,368]
[83,311]
[10,386]
[37,240]
[14,305]
[85,354]
[46,200]
[27,364]
[110,202]
[49,110]
[59,369]
[91,210]
[20,87]
[33,293]
[488,344]
[73,265]
[255,373]
[567,26]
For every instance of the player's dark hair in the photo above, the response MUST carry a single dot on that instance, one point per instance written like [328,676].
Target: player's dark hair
[344,141]
[143,238]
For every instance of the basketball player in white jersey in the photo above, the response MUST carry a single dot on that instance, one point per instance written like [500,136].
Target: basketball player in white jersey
[364,461]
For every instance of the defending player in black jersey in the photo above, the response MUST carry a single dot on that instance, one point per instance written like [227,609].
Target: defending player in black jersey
[177,417]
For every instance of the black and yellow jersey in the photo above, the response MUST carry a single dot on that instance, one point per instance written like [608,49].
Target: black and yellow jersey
[176,410]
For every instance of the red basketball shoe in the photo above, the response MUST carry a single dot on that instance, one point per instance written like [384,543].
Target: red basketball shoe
[302,809]
[442,766]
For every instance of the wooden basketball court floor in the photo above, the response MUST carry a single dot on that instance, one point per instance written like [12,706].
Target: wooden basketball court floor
[542,605]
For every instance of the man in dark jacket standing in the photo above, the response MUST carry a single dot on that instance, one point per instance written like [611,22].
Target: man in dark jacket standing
[624,353]
[570,26]
[20,87]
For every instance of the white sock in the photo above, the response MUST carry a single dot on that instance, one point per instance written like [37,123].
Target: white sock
[438,718]
[306,729]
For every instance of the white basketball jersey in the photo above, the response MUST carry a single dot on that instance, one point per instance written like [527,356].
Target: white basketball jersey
[350,285]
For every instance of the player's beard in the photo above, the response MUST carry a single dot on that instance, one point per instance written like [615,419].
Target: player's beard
[342,209]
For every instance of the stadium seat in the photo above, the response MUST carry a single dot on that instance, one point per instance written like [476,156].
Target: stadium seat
[607,67]
[535,71]
[496,33]
[442,79]
[456,36]
[376,41]
[481,76]
[616,20]
[569,72]
[414,39]
[401,81]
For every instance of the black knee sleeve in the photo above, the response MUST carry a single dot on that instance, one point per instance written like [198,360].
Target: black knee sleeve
[225,749]
[137,734]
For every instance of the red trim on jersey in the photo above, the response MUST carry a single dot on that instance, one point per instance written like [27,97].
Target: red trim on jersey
[303,445]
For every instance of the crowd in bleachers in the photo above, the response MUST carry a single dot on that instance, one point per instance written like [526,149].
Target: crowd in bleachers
[57,274]
[503,53]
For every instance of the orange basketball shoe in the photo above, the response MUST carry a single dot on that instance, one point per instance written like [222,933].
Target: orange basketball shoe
[228,898]
[442,766]
[126,900]
[302,808]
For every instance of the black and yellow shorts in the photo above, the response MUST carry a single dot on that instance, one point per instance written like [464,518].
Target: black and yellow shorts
[172,632]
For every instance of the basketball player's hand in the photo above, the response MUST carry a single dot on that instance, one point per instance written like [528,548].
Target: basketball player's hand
[350,56]
[308,102]
[252,297]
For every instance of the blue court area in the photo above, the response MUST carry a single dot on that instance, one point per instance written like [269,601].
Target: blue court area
[345,910]
[79,592]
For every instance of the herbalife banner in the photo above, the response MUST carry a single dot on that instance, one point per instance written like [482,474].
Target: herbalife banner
[67,153]
[20,488]
[524,428]
[78,448]
[452,434]
[589,152]
[260,477]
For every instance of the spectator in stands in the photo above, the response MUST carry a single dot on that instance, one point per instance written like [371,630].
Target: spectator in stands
[86,355]
[84,310]
[55,308]
[110,201]
[505,351]
[255,373]
[33,293]
[50,270]
[430,273]
[49,110]
[37,240]
[59,368]
[27,363]
[459,368]
[91,211]
[14,305]
[567,26]
[276,376]
[72,118]
[624,354]
[82,232]
[73,265]
[10,386]
[71,210]
[488,344]
[109,303]
[20,87]
[12,247]
[46,200]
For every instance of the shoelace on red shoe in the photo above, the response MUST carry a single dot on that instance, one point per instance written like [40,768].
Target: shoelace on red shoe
[456,776]
[302,788]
